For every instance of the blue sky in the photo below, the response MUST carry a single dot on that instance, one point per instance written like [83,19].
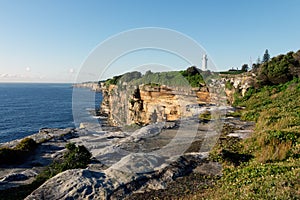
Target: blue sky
[47,41]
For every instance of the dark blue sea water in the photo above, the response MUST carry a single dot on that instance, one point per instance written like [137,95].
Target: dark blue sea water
[25,108]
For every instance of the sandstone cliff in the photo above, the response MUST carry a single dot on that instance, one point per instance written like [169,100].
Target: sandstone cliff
[126,104]
[237,84]
[144,104]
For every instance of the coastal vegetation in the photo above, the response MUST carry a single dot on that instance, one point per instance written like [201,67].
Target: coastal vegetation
[191,77]
[279,69]
[266,165]
[19,153]
[75,157]
[272,169]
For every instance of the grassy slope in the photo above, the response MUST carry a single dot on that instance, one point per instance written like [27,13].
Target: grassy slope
[274,171]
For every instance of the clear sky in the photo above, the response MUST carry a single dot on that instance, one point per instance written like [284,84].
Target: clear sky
[48,40]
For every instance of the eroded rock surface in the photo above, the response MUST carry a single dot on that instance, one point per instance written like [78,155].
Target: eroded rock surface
[52,145]
[144,104]
[111,183]
[131,164]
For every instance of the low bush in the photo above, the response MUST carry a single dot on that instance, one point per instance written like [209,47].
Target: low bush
[75,157]
[228,85]
[19,153]
[205,116]
[27,144]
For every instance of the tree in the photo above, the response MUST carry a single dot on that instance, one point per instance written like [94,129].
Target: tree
[266,57]
[255,67]
[191,71]
[148,73]
[279,69]
[245,67]
[258,61]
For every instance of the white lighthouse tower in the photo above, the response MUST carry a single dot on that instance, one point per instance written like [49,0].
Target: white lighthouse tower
[204,62]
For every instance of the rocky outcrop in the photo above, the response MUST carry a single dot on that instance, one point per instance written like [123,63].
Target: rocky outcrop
[24,175]
[46,134]
[125,103]
[112,183]
[139,170]
[238,84]
[145,104]
[128,165]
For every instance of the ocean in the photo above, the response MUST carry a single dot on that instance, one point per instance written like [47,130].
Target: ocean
[27,107]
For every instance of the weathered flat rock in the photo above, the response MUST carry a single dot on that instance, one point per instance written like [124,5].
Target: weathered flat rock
[112,183]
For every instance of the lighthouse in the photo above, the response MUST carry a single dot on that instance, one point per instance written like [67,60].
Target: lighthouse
[204,62]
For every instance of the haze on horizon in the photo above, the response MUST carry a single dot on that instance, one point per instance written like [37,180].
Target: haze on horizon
[47,41]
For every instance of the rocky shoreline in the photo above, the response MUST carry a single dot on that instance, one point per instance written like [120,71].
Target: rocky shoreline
[51,145]
[125,163]
[170,139]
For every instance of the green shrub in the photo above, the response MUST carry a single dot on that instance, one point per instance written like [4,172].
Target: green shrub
[228,85]
[283,136]
[75,157]
[280,69]
[206,116]
[27,144]
[249,93]
[251,115]
[19,153]
[113,81]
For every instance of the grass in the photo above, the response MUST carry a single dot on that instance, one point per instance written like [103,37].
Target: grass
[278,180]
[272,170]
[275,109]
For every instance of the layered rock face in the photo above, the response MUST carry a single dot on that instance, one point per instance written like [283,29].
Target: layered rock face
[126,104]
[240,83]
[145,104]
